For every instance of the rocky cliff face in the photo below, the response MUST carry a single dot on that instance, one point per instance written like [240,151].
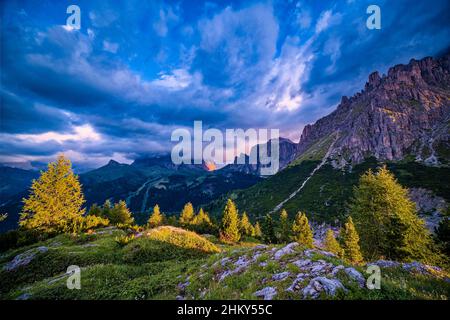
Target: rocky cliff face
[287,153]
[404,112]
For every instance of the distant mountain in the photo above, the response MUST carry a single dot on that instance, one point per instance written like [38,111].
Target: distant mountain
[142,184]
[287,153]
[14,183]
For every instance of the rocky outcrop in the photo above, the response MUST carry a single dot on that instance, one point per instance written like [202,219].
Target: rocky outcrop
[267,293]
[403,112]
[288,272]
[287,153]
[429,206]
[24,259]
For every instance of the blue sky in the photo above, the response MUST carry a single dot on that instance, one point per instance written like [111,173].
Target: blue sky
[137,70]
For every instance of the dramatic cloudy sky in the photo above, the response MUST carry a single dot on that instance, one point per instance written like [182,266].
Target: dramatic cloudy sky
[137,70]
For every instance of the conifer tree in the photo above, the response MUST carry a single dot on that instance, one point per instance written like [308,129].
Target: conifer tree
[332,245]
[350,242]
[285,228]
[156,218]
[55,201]
[302,231]
[187,214]
[245,226]
[95,210]
[120,214]
[387,220]
[268,230]
[257,231]
[202,223]
[229,229]
[106,209]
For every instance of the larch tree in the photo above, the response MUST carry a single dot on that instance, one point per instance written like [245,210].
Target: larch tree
[257,231]
[387,220]
[156,218]
[302,231]
[121,215]
[229,229]
[187,214]
[106,209]
[245,226]
[332,245]
[202,223]
[55,201]
[285,227]
[350,242]
[95,210]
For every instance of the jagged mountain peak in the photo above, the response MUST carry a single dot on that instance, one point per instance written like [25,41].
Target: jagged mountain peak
[404,112]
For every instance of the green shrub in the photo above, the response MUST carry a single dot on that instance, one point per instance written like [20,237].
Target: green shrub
[182,238]
[124,240]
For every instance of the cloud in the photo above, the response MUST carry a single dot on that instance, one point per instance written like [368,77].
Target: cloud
[235,44]
[326,20]
[110,46]
[135,71]
[167,16]
[80,134]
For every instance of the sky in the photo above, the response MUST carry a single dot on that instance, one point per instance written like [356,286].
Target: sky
[137,70]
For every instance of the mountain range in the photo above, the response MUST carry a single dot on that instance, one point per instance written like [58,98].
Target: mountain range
[400,119]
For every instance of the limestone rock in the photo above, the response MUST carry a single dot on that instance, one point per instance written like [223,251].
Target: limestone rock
[267,293]
[285,250]
[355,275]
[280,276]
[24,258]
[322,284]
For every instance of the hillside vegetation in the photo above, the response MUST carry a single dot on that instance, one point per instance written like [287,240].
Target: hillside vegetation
[327,193]
[146,268]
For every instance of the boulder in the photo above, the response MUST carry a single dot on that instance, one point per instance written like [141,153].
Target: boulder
[285,250]
[24,258]
[280,276]
[322,284]
[295,286]
[267,293]
[356,275]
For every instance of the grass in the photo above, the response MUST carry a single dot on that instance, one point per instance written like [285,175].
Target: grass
[182,238]
[396,283]
[152,267]
[144,268]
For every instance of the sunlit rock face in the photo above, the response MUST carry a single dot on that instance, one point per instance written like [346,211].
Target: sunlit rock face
[404,112]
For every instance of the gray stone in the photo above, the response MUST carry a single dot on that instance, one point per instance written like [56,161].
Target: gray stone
[295,286]
[280,276]
[24,296]
[285,250]
[302,263]
[24,258]
[320,267]
[420,268]
[355,275]
[385,264]
[267,293]
[322,284]
[337,269]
